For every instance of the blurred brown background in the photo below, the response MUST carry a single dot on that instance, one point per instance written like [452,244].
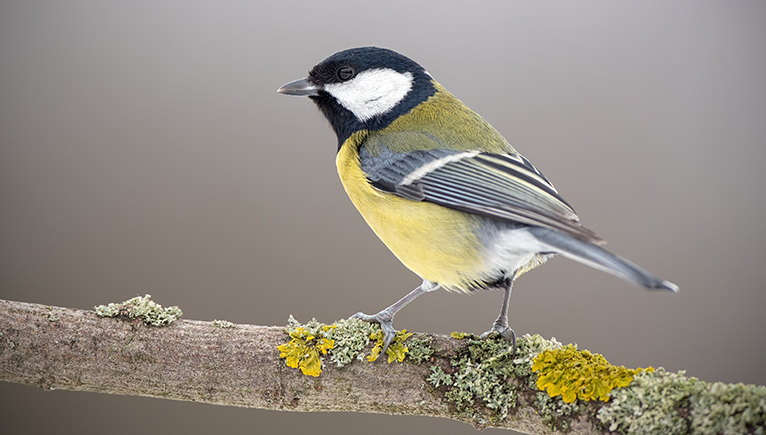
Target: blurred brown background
[144,149]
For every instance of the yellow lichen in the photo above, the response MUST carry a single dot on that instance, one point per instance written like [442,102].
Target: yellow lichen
[579,374]
[304,348]
[459,335]
[396,350]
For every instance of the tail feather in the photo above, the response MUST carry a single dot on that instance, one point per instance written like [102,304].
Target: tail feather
[599,258]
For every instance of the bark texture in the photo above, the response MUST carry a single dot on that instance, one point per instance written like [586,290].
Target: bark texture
[73,349]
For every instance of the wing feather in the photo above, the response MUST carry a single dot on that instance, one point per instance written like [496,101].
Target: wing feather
[499,186]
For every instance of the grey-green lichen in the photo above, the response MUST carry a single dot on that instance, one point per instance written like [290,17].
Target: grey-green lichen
[142,307]
[555,411]
[487,373]
[651,404]
[223,324]
[729,409]
[673,403]
[51,317]
[351,336]
[421,348]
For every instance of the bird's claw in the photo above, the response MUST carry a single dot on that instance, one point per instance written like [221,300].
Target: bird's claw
[385,321]
[505,332]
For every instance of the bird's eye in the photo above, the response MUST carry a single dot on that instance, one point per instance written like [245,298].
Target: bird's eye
[344,73]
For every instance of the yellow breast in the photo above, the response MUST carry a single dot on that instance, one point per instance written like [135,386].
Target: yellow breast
[437,243]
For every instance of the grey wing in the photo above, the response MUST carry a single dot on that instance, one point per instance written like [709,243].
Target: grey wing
[500,186]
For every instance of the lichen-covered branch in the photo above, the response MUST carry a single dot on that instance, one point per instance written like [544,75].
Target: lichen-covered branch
[476,381]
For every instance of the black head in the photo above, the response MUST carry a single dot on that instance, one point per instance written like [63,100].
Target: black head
[364,88]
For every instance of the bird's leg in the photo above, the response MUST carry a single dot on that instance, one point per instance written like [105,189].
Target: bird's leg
[501,324]
[385,317]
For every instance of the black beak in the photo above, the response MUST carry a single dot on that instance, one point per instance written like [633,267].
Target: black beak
[301,87]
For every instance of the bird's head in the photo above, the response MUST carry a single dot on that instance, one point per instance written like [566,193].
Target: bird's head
[364,88]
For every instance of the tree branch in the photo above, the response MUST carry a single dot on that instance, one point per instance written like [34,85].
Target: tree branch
[189,360]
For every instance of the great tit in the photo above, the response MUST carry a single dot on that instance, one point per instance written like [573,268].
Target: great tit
[448,195]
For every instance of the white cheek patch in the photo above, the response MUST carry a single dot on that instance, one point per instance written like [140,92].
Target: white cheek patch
[372,92]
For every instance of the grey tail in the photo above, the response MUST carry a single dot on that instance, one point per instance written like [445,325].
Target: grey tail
[599,258]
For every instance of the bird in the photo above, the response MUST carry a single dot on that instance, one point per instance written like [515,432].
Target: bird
[442,188]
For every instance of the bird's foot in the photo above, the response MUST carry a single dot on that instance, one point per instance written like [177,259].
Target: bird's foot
[505,332]
[385,320]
